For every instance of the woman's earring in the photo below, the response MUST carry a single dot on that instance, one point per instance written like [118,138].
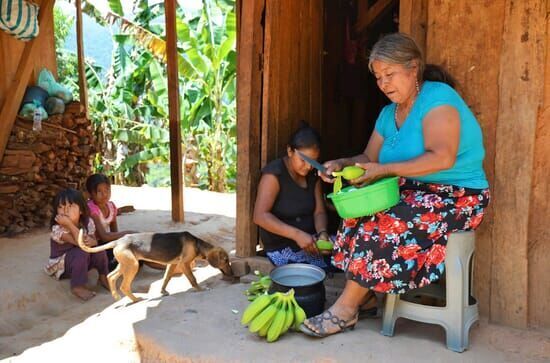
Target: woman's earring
[417,87]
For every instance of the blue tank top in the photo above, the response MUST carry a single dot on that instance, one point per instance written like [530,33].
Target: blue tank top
[407,142]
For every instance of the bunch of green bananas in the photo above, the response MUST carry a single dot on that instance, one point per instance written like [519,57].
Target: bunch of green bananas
[259,287]
[272,315]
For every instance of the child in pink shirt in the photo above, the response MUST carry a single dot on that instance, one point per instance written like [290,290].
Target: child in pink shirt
[103,212]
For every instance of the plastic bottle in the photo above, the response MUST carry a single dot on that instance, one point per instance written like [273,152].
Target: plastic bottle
[37,120]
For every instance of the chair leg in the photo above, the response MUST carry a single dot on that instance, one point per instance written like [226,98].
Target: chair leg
[388,319]
[455,339]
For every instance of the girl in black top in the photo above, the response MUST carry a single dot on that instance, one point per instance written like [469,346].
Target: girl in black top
[289,207]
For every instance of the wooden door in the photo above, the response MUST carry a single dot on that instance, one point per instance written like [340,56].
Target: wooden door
[292,69]
[278,84]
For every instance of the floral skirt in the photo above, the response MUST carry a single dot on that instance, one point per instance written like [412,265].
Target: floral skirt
[403,248]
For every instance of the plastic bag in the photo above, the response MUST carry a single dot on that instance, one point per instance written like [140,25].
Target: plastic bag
[47,81]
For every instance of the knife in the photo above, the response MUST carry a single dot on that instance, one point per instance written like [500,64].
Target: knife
[317,165]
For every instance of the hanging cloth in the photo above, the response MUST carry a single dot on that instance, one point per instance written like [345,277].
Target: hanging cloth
[19,18]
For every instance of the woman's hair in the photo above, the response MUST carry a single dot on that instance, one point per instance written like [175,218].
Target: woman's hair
[94,180]
[399,48]
[305,137]
[71,196]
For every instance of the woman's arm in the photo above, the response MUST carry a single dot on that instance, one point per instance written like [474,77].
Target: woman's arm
[320,213]
[268,189]
[441,130]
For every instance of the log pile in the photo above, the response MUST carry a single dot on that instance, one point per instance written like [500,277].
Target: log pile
[36,165]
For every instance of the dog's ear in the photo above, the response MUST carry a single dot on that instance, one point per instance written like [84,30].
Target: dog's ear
[216,256]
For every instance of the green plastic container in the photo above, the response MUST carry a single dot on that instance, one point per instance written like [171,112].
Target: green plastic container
[352,202]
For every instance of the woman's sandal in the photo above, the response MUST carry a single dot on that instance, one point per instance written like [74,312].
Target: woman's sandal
[369,313]
[334,319]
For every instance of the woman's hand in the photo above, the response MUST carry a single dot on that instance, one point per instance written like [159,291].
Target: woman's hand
[307,243]
[324,236]
[332,165]
[373,172]
[63,220]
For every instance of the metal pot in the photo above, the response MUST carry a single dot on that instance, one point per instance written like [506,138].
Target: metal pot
[307,282]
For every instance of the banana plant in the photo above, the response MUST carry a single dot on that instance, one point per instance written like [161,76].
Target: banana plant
[130,109]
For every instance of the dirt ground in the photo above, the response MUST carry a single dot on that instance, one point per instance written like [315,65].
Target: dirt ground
[37,311]
[40,321]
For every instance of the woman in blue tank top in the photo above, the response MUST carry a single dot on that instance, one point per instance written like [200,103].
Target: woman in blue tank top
[429,137]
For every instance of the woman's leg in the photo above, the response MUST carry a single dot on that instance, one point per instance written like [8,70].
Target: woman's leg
[76,267]
[345,308]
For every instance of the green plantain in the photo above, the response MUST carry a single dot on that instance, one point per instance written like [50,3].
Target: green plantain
[299,315]
[265,317]
[278,323]
[255,308]
[289,312]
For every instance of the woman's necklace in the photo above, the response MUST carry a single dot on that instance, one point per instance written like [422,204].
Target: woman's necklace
[394,138]
[407,110]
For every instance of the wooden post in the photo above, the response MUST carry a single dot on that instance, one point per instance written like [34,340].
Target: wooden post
[22,76]
[249,98]
[176,172]
[82,84]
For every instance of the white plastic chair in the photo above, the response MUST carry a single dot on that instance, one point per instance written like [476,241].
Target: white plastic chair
[460,312]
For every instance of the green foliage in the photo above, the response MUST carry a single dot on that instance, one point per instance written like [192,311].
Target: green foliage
[130,108]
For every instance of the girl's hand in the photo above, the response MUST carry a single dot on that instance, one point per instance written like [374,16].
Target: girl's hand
[307,243]
[373,172]
[332,165]
[63,220]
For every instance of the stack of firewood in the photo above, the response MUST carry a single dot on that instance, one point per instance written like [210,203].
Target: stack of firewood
[37,164]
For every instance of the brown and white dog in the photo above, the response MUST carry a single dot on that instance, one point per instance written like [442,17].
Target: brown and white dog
[176,250]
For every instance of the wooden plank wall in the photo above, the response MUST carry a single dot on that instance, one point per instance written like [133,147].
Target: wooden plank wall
[10,54]
[521,93]
[476,75]
[539,234]
[498,66]
[292,66]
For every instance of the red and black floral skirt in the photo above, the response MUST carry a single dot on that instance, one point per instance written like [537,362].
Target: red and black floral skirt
[403,248]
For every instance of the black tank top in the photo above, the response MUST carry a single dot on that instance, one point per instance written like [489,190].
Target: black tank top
[294,205]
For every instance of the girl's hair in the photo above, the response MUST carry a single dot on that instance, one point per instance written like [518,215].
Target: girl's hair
[71,196]
[305,137]
[94,180]
[399,48]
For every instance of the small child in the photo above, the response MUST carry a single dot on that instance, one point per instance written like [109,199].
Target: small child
[69,215]
[103,212]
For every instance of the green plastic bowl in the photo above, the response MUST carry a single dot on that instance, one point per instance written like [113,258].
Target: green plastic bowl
[352,202]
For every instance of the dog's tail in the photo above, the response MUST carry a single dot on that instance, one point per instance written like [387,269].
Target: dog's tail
[89,249]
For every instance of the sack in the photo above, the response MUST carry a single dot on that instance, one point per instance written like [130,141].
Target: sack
[27,111]
[54,106]
[33,94]
[48,82]
[19,18]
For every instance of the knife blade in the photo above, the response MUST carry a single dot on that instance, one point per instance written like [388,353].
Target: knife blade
[317,165]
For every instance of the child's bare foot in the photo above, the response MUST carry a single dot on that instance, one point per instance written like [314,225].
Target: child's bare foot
[102,280]
[82,293]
